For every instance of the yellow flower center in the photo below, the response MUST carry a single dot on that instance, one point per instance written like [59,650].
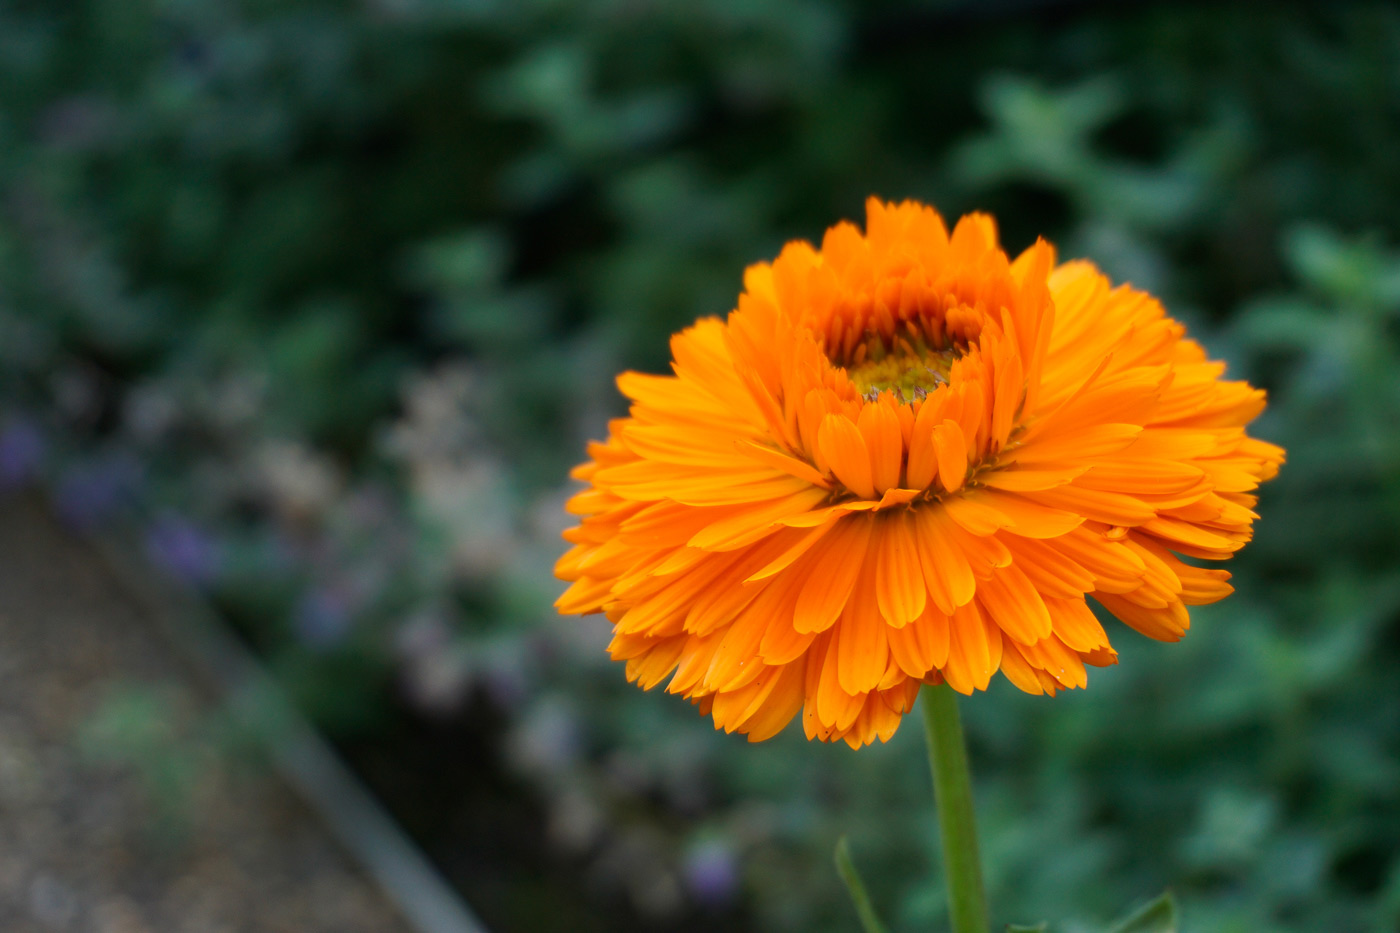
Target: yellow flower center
[911,371]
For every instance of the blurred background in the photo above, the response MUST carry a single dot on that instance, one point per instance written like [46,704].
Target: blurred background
[320,300]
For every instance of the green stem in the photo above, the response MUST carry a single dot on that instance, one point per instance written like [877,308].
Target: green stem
[952,793]
[846,868]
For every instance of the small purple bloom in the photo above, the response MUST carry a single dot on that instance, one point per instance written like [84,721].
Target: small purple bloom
[711,873]
[21,453]
[89,493]
[507,683]
[183,549]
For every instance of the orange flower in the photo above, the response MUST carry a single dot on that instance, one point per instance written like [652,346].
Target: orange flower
[907,459]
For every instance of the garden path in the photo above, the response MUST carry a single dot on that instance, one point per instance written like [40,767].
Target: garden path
[128,803]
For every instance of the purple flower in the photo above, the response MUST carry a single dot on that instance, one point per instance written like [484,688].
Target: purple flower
[183,549]
[323,617]
[21,453]
[711,873]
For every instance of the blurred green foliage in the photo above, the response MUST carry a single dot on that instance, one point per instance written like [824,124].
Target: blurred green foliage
[343,286]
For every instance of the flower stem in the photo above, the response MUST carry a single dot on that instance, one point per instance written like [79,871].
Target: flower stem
[952,793]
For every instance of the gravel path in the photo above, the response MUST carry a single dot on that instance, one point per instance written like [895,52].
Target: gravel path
[126,802]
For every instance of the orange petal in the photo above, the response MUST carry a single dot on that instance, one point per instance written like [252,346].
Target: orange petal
[833,575]
[784,462]
[969,655]
[945,567]
[1012,601]
[1075,625]
[844,450]
[862,642]
[1019,671]
[1166,624]
[879,425]
[751,523]
[952,455]
[922,645]
[1028,519]
[923,455]
[779,708]
[899,583]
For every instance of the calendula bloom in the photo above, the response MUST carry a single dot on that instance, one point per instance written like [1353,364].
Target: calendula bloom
[906,458]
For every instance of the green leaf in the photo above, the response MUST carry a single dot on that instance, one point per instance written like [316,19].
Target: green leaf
[1156,916]
[846,868]
[1040,927]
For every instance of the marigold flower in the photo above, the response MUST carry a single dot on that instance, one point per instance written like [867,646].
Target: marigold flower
[903,459]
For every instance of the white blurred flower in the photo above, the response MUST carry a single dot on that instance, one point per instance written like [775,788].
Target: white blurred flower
[300,481]
[456,485]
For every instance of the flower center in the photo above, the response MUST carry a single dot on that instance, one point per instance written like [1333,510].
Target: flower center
[910,352]
[910,372]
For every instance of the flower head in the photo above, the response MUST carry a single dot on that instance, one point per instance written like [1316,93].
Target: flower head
[906,458]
